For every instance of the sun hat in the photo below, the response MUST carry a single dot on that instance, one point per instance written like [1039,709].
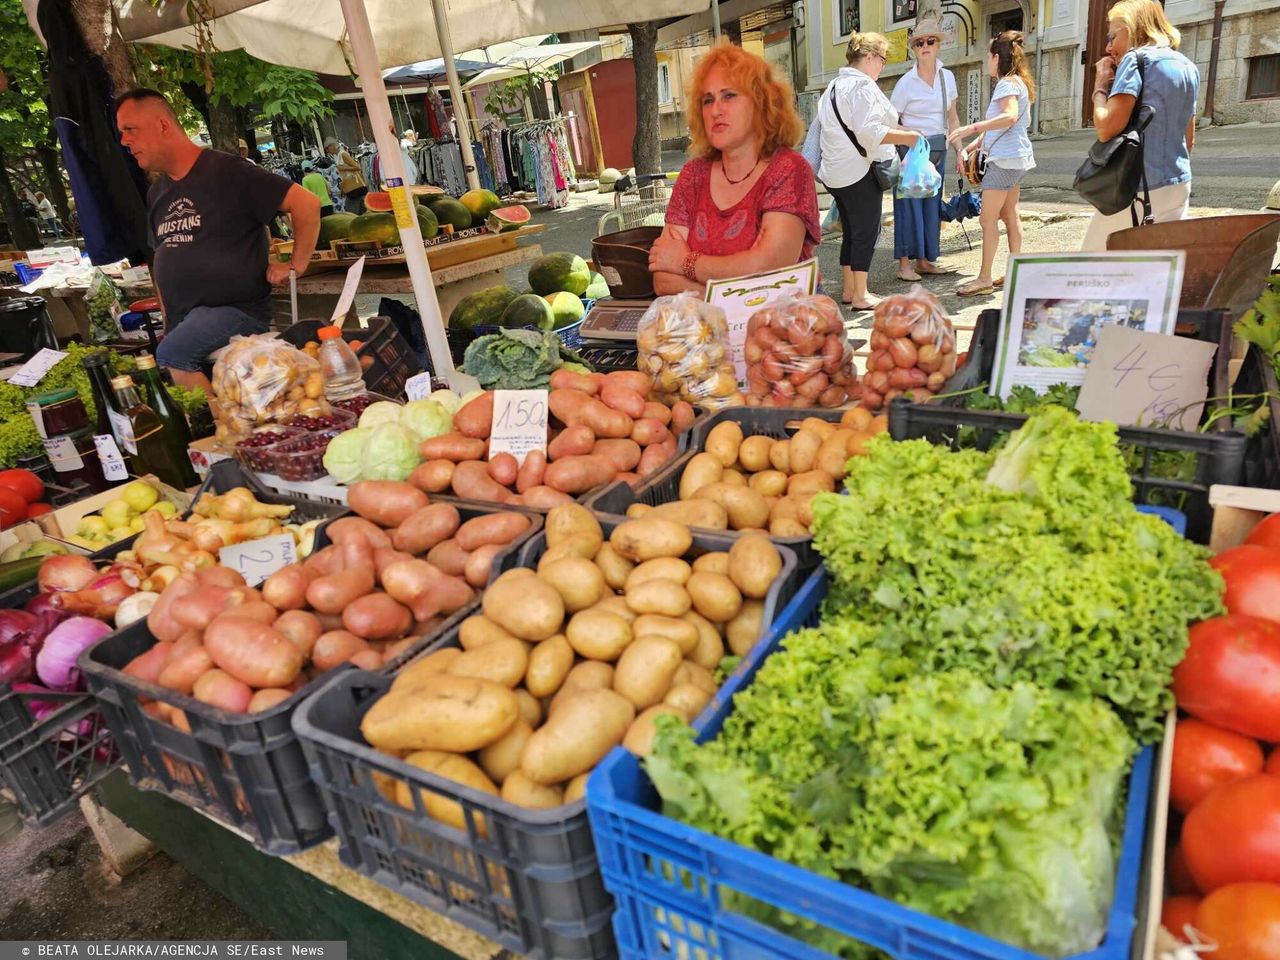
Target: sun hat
[927,27]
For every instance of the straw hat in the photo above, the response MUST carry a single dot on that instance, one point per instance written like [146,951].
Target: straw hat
[927,27]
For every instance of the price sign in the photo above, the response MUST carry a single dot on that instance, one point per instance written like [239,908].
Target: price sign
[1147,379]
[348,293]
[418,387]
[258,559]
[519,422]
[113,468]
[33,371]
[63,454]
[123,430]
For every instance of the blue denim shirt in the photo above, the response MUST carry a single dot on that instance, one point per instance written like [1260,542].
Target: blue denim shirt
[1172,83]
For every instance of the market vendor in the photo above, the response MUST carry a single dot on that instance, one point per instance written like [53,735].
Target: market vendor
[209,213]
[745,203]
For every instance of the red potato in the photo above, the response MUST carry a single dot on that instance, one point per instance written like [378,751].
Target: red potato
[160,620]
[217,576]
[394,650]
[385,502]
[219,689]
[448,557]
[334,648]
[255,609]
[368,659]
[344,529]
[434,476]
[331,594]
[655,455]
[623,399]
[647,430]
[471,480]
[377,616]
[384,558]
[197,610]
[323,562]
[623,454]
[475,418]
[575,441]
[544,498]
[266,699]
[606,422]
[493,528]
[301,628]
[183,669]
[286,589]
[567,405]
[656,411]
[682,416]
[149,665]
[532,470]
[252,652]
[641,383]
[423,529]
[630,479]
[425,589]
[328,621]
[569,380]
[157,710]
[580,474]
[480,564]
[503,468]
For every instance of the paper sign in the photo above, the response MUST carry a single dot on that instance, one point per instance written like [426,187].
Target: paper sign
[418,387]
[37,417]
[258,559]
[1146,379]
[63,455]
[519,423]
[123,430]
[33,371]
[113,468]
[348,292]
[740,297]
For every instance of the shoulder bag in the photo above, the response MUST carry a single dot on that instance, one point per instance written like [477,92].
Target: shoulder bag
[1114,170]
[938,142]
[885,171]
[975,163]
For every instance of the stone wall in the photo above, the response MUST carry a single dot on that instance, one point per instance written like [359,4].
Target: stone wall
[1059,98]
[1245,36]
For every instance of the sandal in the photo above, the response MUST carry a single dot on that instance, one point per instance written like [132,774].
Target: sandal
[936,271]
[970,290]
[998,283]
[911,277]
[859,308]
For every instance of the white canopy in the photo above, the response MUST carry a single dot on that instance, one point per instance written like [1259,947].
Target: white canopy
[524,59]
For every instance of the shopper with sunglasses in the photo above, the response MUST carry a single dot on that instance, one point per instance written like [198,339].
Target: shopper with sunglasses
[925,98]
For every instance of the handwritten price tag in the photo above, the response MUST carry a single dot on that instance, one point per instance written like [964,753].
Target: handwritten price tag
[418,387]
[113,468]
[123,430]
[519,423]
[258,559]
[1146,379]
[33,371]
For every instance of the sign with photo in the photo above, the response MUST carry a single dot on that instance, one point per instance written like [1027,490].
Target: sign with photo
[904,10]
[850,22]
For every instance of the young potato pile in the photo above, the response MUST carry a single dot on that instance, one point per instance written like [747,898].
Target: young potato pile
[601,428]
[913,350]
[259,380]
[797,354]
[683,342]
[364,599]
[761,484]
[568,661]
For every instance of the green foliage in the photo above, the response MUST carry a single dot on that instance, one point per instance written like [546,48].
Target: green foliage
[24,117]
[509,96]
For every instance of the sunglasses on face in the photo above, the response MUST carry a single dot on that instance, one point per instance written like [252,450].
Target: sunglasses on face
[926,42]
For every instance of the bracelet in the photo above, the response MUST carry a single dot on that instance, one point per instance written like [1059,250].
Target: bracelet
[690,263]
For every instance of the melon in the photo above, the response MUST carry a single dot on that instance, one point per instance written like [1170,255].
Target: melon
[333,227]
[427,223]
[559,271]
[566,307]
[480,203]
[529,310]
[483,306]
[508,218]
[378,202]
[374,226]
[449,210]
[597,289]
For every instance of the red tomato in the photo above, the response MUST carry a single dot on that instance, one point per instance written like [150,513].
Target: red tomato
[1266,533]
[1233,834]
[13,509]
[1179,877]
[1230,676]
[1252,576]
[24,483]
[1244,918]
[1177,913]
[1273,763]
[1205,756]
[38,510]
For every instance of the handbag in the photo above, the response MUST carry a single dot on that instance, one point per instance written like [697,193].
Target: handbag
[1114,169]
[885,171]
[974,164]
[938,141]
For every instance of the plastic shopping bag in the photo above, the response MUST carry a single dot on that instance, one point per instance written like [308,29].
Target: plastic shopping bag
[919,179]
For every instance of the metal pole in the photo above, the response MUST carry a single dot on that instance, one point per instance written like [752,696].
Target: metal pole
[455,90]
[392,163]
[715,19]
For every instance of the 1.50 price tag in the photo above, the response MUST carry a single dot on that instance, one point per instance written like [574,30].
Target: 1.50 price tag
[519,423]
[258,559]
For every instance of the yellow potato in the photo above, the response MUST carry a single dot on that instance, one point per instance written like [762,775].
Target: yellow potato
[430,665]
[614,568]
[681,632]
[441,712]
[810,482]
[637,510]
[753,455]
[523,792]
[784,518]
[549,663]
[690,673]
[714,596]
[723,442]
[804,508]
[453,767]
[478,630]
[732,478]
[598,634]
[665,597]
[644,671]
[714,562]
[576,737]
[530,708]
[588,675]
[745,507]
[768,483]
[780,456]
[857,418]
[579,581]
[690,699]
[754,563]
[572,520]
[834,453]
[710,649]
[500,758]
[576,788]
[503,661]
[639,738]
[693,513]
[804,450]
[528,608]
[650,537]
[702,468]
[823,428]
[618,607]
[660,568]
[515,573]
[744,630]
[578,545]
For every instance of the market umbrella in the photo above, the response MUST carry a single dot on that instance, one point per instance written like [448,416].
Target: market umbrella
[526,59]
[434,69]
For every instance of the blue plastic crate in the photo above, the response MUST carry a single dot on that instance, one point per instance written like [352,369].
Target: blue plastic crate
[26,273]
[667,877]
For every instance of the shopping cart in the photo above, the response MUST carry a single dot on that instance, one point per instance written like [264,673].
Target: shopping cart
[639,200]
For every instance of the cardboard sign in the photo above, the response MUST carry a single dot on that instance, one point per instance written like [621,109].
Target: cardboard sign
[418,387]
[33,371]
[519,423]
[113,466]
[740,297]
[348,293]
[258,559]
[1146,379]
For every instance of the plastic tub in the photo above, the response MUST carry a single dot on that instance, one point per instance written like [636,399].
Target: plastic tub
[255,454]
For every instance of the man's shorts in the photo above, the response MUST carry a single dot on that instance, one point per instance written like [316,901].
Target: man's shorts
[202,331]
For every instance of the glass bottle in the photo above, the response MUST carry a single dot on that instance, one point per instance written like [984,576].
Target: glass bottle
[343,376]
[158,449]
[111,421]
[167,409]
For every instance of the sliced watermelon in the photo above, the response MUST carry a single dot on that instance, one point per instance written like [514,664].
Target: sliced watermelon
[508,218]
[378,201]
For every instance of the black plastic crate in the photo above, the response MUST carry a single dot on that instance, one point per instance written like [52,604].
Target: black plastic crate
[1262,458]
[530,879]
[393,361]
[1218,457]
[246,770]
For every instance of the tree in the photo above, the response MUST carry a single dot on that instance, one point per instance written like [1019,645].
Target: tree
[510,96]
[646,148]
[24,118]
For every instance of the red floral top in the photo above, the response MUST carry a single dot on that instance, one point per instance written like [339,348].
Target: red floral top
[786,185]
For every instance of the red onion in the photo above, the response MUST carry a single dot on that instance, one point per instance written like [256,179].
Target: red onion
[39,708]
[65,572]
[56,661]
[15,663]
[17,626]
[99,599]
[41,605]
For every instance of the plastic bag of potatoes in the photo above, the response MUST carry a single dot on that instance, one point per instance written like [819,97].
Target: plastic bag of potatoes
[261,379]
[684,345]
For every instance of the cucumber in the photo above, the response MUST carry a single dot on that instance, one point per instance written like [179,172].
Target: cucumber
[17,572]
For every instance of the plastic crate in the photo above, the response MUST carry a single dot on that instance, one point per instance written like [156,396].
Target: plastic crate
[26,273]
[1262,459]
[1219,456]
[393,361]
[664,485]
[670,879]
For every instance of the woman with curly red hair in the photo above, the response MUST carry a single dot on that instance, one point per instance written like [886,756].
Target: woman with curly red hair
[745,202]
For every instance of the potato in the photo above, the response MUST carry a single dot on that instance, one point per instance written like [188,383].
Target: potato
[710,649]
[425,528]
[768,483]
[265,699]
[614,568]
[503,661]
[441,712]
[576,738]
[494,528]
[523,792]
[639,738]
[549,663]
[598,635]
[780,456]
[702,468]
[579,581]
[693,513]
[376,616]
[714,596]
[252,652]
[744,630]
[660,568]
[665,597]
[810,482]
[530,708]
[452,767]
[690,673]
[429,666]
[573,519]
[651,537]
[804,450]
[723,442]
[683,633]
[688,698]
[753,454]
[528,608]
[637,510]
[857,419]
[500,758]
[754,563]
[618,607]
[745,507]
[834,453]
[644,671]
[478,630]
[576,788]
[587,675]
[223,691]
[388,503]
[578,545]
[733,477]
[823,428]
[715,562]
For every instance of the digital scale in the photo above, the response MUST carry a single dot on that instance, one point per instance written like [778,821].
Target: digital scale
[614,320]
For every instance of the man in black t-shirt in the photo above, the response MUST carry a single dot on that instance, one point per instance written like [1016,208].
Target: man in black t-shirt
[208,214]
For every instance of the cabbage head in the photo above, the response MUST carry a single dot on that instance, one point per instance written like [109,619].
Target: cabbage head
[426,418]
[376,414]
[390,453]
[343,455]
[447,399]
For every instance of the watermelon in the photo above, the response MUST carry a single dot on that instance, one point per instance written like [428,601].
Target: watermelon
[427,222]
[333,227]
[449,210]
[480,203]
[483,306]
[529,310]
[597,289]
[377,202]
[559,271]
[566,307]
[508,218]
[374,226]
